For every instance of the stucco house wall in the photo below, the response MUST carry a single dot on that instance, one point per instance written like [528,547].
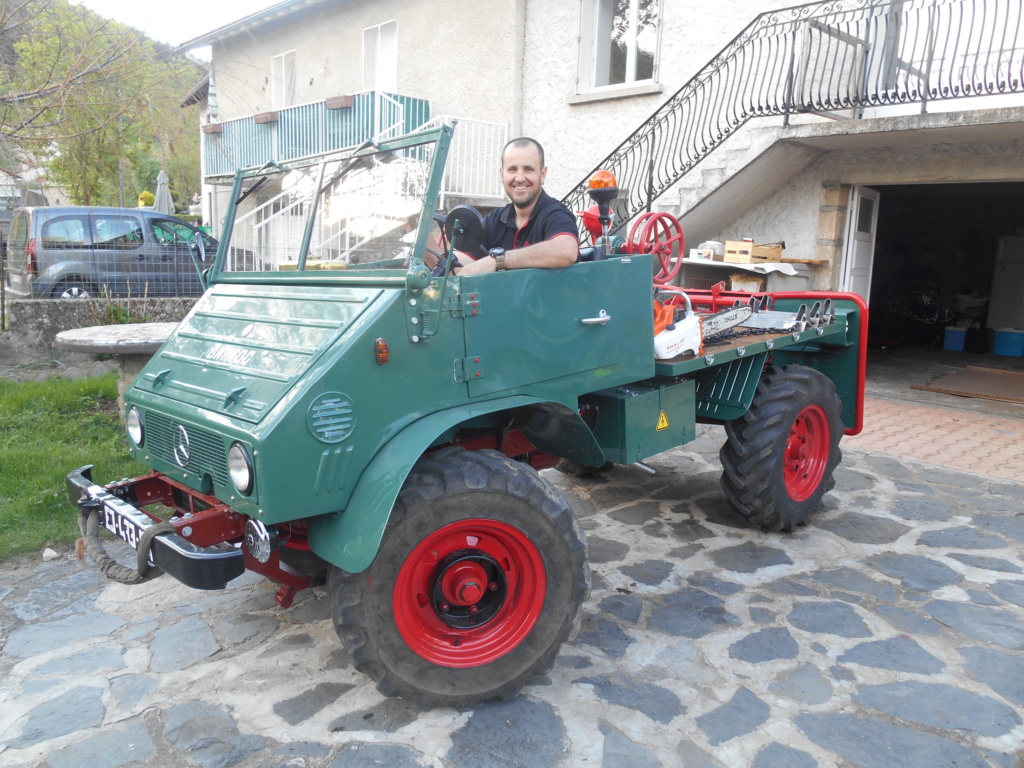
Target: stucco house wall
[465,64]
[578,132]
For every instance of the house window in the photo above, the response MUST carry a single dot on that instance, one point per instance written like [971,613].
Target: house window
[380,57]
[618,42]
[282,80]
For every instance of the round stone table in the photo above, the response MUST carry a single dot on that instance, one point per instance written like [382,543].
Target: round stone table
[133,344]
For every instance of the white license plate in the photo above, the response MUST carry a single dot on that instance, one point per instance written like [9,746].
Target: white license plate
[122,527]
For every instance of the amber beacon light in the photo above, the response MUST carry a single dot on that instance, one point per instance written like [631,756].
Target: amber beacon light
[603,180]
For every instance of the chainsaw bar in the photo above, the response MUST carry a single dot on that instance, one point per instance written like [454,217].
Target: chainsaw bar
[727,318]
[774,321]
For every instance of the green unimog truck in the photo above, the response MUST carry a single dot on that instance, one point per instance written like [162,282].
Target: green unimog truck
[332,404]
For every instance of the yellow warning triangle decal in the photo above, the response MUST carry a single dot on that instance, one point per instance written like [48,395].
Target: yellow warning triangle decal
[662,422]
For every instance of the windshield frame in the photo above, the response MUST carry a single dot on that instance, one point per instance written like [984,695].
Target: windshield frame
[441,139]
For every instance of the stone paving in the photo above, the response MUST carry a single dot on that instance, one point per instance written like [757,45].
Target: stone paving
[982,443]
[888,633]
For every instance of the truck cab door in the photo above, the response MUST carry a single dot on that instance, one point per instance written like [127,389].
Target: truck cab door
[558,332]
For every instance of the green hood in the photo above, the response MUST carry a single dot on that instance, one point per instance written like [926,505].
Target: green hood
[243,346]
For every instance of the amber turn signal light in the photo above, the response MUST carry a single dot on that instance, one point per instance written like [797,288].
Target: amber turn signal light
[381,351]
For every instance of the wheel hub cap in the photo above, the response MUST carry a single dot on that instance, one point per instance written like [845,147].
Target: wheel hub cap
[807,451]
[469,593]
[462,593]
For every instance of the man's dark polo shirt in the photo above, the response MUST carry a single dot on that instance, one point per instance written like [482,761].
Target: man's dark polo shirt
[548,219]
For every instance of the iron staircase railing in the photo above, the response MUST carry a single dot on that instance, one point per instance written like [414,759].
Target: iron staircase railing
[821,58]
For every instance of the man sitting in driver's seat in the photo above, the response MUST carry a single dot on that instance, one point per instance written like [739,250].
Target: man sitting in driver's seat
[534,230]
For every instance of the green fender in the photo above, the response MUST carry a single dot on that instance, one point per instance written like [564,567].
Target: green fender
[349,539]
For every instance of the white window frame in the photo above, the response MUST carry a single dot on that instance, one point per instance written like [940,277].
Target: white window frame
[380,57]
[593,57]
[283,80]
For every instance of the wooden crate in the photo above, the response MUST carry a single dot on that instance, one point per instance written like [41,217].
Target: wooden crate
[743,252]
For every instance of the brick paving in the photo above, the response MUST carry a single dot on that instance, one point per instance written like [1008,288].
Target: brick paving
[973,442]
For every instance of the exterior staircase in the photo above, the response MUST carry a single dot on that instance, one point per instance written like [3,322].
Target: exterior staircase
[826,60]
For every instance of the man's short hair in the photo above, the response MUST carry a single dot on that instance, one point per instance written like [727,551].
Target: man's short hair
[523,141]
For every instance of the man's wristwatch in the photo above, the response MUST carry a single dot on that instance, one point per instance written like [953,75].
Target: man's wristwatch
[499,258]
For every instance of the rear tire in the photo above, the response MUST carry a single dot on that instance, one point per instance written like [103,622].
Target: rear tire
[779,457]
[479,579]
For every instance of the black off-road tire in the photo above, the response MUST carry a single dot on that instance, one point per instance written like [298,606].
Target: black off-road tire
[459,507]
[779,456]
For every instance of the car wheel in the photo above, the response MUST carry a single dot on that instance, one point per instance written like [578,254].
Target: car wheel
[71,289]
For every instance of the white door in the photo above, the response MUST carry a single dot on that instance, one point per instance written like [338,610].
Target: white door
[859,248]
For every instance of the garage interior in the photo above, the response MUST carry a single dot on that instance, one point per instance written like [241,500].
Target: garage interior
[935,256]
[935,260]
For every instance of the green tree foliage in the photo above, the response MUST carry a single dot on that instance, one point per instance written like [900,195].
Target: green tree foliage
[95,103]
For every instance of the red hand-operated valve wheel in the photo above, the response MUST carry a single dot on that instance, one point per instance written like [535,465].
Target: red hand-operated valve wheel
[659,233]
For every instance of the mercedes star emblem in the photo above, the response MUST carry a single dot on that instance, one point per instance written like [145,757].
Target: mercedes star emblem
[181,449]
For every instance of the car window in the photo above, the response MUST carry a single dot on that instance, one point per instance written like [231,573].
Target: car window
[166,233]
[114,232]
[66,232]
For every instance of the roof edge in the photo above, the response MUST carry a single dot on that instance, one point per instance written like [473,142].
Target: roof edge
[246,23]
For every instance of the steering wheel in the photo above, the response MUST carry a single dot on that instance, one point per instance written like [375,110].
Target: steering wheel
[463,226]
[659,233]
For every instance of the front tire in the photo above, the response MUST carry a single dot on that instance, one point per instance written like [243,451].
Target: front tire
[479,579]
[779,457]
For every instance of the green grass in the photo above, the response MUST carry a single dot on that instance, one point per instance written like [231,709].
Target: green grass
[47,429]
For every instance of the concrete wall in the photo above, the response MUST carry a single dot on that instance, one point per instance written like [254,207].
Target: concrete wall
[40,320]
[27,351]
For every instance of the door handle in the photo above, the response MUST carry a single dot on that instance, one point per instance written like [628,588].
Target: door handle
[602,318]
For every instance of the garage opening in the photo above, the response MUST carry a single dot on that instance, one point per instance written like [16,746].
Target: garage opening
[947,255]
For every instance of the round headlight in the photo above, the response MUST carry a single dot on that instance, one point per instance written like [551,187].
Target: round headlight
[240,468]
[134,423]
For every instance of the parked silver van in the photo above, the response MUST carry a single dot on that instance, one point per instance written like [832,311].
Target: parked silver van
[76,251]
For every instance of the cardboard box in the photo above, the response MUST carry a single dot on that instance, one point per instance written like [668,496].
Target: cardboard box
[704,254]
[743,252]
[744,281]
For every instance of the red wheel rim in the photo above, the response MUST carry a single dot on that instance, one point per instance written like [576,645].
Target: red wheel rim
[469,593]
[807,449]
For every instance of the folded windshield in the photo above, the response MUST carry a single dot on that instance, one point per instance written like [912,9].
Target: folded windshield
[356,212]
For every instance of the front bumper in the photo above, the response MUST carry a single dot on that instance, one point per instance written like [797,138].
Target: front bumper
[197,567]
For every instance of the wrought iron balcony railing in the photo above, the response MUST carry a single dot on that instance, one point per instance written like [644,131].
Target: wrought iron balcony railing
[823,58]
[309,129]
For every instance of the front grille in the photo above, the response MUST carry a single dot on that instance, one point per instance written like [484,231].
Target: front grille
[207,455]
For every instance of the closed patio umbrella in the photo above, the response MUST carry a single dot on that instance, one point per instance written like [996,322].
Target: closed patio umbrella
[163,202]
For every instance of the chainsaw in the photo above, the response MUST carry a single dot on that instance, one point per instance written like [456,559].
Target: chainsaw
[686,334]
